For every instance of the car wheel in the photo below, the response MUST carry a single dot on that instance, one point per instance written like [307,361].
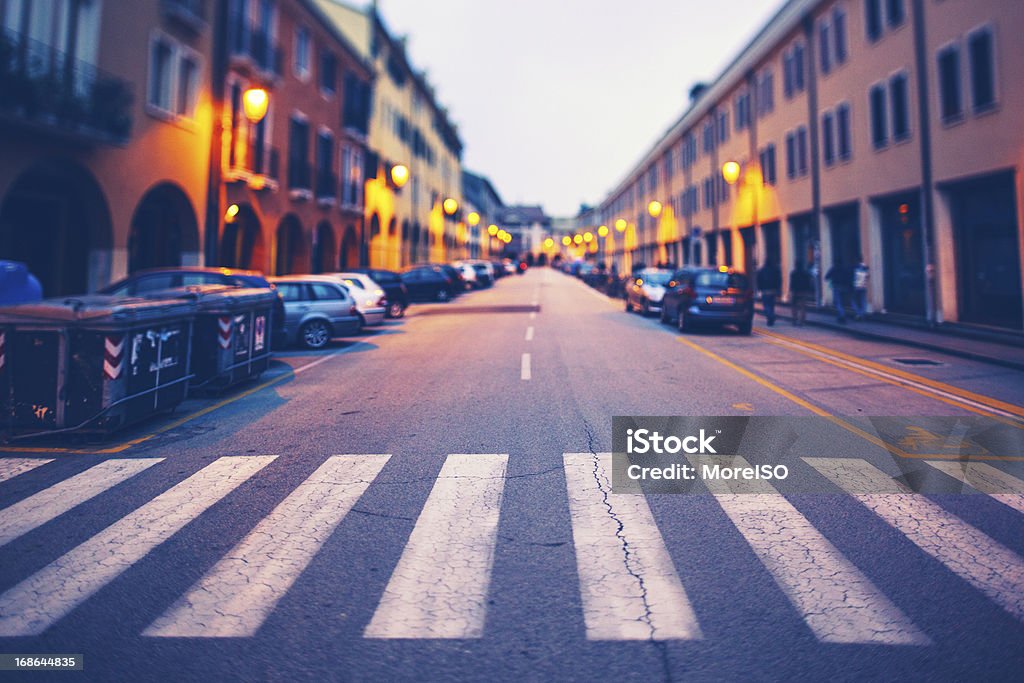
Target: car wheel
[747,327]
[645,309]
[629,306]
[681,321]
[663,316]
[443,295]
[396,309]
[315,334]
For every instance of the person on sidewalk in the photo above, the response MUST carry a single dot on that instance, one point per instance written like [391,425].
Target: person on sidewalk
[841,278]
[769,281]
[801,291]
[861,273]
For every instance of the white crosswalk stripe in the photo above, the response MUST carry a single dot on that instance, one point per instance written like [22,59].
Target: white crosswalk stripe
[54,501]
[983,562]
[12,467]
[1001,486]
[36,603]
[628,584]
[237,595]
[439,588]
[836,601]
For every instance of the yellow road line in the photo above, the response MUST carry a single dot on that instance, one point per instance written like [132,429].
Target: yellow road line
[897,383]
[909,376]
[821,412]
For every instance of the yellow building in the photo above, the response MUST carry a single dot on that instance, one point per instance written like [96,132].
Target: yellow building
[422,218]
[883,129]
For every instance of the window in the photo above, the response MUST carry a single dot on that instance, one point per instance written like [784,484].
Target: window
[302,50]
[873,19]
[652,178]
[328,72]
[879,126]
[293,291]
[825,46]
[298,154]
[188,84]
[667,163]
[325,179]
[794,70]
[983,82]
[742,106]
[839,35]
[844,144]
[723,188]
[790,155]
[801,151]
[895,12]
[767,160]
[161,73]
[709,193]
[765,93]
[828,126]
[708,136]
[325,292]
[173,78]
[900,107]
[723,126]
[951,105]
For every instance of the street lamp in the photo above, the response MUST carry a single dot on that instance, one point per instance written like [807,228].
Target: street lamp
[577,239]
[654,208]
[588,237]
[473,218]
[566,240]
[450,206]
[602,231]
[231,213]
[731,172]
[399,175]
[492,229]
[254,103]
[620,225]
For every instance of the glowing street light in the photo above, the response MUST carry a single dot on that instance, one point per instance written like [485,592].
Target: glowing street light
[450,206]
[231,213]
[548,243]
[254,103]
[473,218]
[399,175]
[620,225]
[731,172]
[588,237]
[654,208]
[566,240]
[602,231]
[492,229]
[577,239]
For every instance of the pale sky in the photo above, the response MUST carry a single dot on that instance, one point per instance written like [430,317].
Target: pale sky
[555,100]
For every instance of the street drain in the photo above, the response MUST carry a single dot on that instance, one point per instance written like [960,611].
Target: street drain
[916,361]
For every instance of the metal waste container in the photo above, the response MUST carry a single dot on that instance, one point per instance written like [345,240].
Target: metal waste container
[94,363]
[233,329]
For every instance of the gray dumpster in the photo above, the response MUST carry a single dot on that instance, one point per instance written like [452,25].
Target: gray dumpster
[93,362]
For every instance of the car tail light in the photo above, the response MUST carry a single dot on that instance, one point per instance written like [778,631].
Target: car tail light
[383,301]
[352,310]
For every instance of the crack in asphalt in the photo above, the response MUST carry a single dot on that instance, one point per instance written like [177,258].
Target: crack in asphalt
[627,553]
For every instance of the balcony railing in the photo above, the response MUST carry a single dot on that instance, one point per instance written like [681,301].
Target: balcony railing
[47,89]
[256,47]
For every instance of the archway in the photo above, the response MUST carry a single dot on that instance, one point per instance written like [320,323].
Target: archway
[348,255]
[164,231]
[242,244]
[292,248]
[324,247]
[56,219]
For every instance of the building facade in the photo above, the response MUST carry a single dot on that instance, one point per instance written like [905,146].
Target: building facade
[291,184]
[882,129]
[408,128]
[104,135]
[483,208]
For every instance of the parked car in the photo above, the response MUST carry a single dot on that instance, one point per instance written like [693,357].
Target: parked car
[468,273]
[391,283]
[484,274]
[709,296]
[499,269]
[646,290]
[156,279]
[453,274]
[509,265]
[317,308]
[428,283]
[371,301]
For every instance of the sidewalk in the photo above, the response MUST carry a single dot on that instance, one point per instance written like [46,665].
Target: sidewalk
[1007,354]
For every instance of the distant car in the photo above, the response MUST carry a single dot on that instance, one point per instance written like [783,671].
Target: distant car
[317,309]
[371,300]
[428,283]
[646,290]
[484,274]
[468,273]
[156,279]
[510,266]
[391,283]
[708,296]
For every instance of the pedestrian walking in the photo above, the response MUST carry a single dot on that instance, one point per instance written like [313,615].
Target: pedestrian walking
[769,282]
[861,274]
[801,291]
[841,279]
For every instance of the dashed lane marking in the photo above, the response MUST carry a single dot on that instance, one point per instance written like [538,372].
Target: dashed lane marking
[529,333]
[524,367]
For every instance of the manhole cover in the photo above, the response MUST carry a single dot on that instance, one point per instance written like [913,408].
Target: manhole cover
[916,361]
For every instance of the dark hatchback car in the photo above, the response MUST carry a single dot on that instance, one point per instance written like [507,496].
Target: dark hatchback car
[708,296]
[429,283]
[156,279]
[394,289]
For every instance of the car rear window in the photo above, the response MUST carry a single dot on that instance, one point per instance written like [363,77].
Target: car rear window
[656,277]
[352,282]
[722,280]
[326,292]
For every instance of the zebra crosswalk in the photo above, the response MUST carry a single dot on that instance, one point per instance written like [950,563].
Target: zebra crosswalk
[441,585]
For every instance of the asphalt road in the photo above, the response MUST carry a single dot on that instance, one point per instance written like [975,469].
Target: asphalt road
[430,502]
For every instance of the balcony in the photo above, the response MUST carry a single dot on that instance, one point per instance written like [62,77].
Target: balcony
[256,49]
[190,14]
[51,92]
